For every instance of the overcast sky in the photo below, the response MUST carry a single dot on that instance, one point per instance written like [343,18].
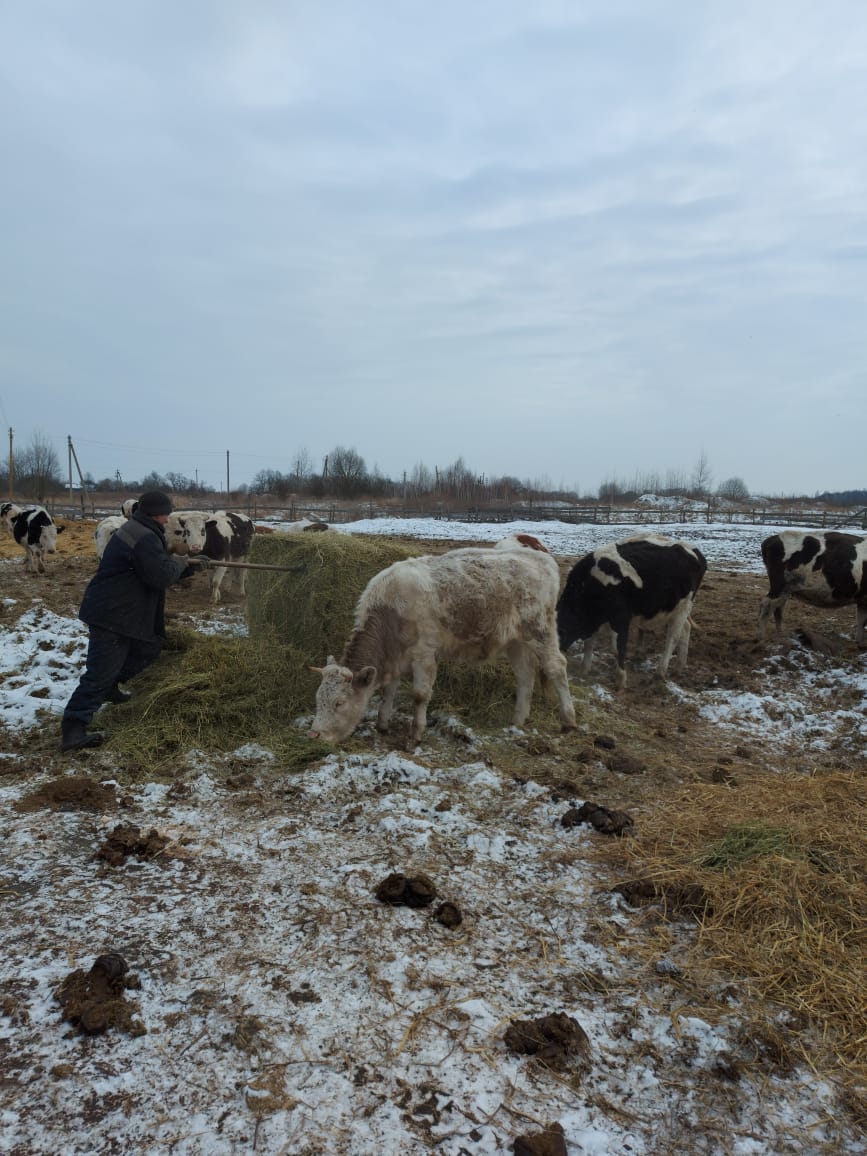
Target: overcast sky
[564,241]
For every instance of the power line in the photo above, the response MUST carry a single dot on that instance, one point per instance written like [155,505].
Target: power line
[186,451]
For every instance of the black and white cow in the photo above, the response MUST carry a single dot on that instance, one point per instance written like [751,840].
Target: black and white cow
[129,507]
[826,568]
[648,579]
[223,537]
[34,529]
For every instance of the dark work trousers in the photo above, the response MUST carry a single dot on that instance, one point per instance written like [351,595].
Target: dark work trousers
[111,658]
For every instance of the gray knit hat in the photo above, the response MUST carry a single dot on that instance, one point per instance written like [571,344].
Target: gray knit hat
[154,502]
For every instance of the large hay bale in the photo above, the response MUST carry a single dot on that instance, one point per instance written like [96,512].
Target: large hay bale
[311,605]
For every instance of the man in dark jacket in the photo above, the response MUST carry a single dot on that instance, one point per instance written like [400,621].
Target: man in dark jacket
[123,606]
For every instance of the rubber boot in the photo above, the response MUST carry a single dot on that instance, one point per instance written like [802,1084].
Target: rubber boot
[74,737]
[118,696]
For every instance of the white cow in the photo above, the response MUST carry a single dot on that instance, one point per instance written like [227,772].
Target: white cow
[469,605]
[306,525]
[104,530]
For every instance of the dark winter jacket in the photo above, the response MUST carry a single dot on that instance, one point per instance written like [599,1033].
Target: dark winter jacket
[127,593]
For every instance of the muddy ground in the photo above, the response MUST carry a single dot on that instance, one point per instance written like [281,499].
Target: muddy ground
[632,756]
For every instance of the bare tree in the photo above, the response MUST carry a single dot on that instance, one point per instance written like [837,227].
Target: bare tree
[179,482]
[701,476]
[676,484]
[347,471]
[734,489]
[37,468]
[421,481]
[154,481]
[610,491]
[302,468]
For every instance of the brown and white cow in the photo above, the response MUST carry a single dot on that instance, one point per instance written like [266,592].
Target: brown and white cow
[826,568]
[222,536]
[33,528]
[649,579]
[104,531]
[527,541]
[469,605]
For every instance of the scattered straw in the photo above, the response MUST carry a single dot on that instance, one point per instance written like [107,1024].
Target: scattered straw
[785,900]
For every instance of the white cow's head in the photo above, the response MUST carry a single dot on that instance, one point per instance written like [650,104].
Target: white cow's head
[185,531]
[341,700]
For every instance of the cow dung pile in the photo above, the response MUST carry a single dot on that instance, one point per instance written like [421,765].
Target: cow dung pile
[311,608]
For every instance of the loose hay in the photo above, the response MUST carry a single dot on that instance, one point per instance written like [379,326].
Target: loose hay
[786,900]
[216,694]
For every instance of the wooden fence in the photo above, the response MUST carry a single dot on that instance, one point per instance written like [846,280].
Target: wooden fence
[852,520]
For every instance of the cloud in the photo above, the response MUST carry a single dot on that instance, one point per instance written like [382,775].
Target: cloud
[439,231]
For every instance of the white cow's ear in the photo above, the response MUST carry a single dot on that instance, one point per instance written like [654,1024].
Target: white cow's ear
[364,677]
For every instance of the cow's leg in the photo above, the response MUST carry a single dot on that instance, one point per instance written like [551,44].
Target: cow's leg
[676,633]
[621,633]
[218,573]
[768,606]
[424,673]
[683,642]
[860,620]
[552,664]
[524,668]
[589,649]
[386,705]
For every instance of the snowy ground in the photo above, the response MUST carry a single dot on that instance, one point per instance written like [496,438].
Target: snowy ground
[287,1010]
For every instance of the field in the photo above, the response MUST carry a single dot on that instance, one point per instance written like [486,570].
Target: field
[704,923]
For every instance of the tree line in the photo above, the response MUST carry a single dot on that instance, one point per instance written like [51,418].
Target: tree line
[344,475]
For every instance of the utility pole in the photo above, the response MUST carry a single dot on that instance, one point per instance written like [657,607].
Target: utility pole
[11,466]
[74,457]
[227,478]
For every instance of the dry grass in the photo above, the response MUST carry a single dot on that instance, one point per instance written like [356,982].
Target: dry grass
[216,694]
[774,873]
